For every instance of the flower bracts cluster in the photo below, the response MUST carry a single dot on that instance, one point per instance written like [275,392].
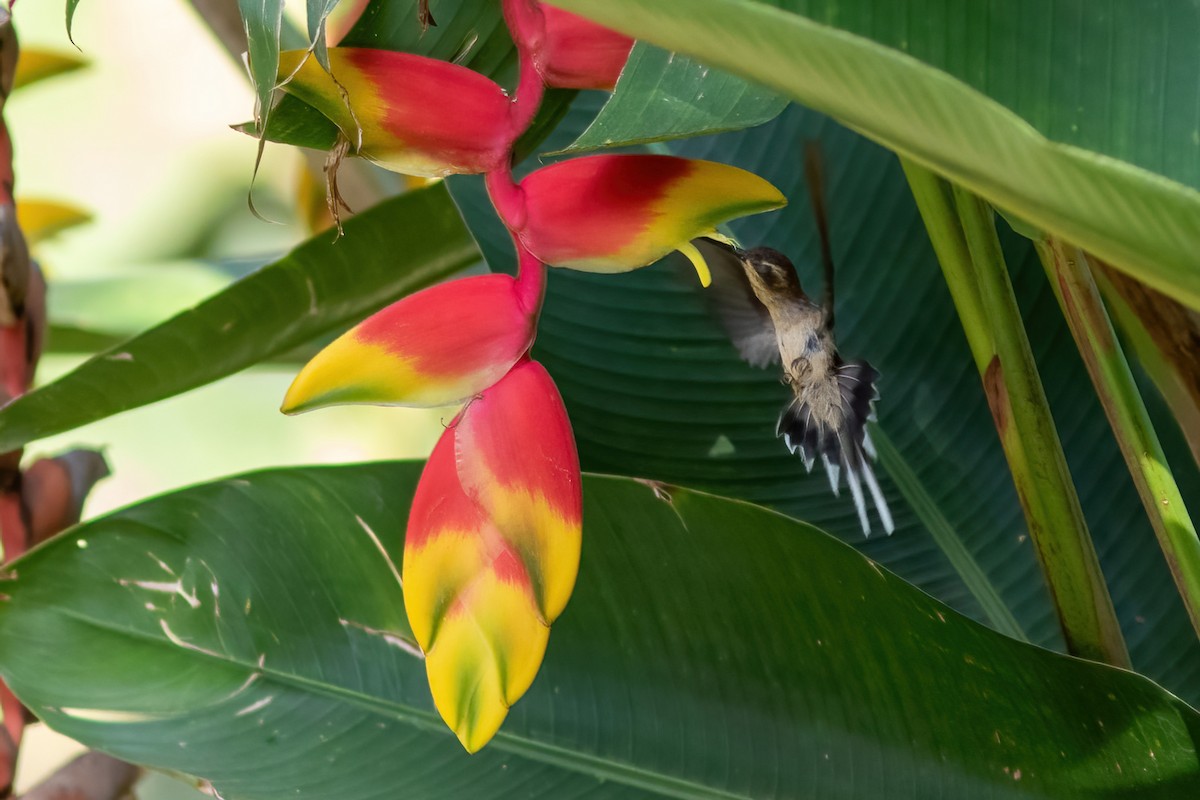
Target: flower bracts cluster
[494,534]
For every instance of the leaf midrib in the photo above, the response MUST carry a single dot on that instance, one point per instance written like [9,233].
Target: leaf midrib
[551,755]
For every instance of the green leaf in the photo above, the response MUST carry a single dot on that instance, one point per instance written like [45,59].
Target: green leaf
[252,632]
[295,122]
[663,96]
[396,248]
[1128,75]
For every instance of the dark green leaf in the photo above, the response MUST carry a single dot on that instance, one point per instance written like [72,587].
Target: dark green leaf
[655,389]
[470,32]
[389,251]
[295,122]
[663,96]
[252,632]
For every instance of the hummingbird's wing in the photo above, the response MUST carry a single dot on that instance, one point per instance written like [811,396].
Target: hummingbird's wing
[742,315]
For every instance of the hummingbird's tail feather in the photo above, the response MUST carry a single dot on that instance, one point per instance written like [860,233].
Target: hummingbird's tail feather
[881,506]
[843,446]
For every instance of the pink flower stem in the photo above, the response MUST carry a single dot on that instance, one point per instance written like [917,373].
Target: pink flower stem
[507,196]
[527,25]
[531,280]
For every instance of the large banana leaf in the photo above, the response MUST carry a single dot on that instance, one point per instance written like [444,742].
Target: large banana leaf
[252,632]
[973,91]
[654,389]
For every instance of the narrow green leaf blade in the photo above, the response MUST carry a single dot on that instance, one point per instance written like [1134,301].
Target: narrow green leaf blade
[263,20]
[398,247]
[318,13]
[71,6]
[1144,223]
[252,632]
[663,95]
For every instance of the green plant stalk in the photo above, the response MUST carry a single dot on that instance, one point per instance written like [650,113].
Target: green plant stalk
[1170,377]
[1058,528]
[994,332]
[936,204]
[1071,276]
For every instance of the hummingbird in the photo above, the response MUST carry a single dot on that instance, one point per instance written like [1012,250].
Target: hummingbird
[771,320]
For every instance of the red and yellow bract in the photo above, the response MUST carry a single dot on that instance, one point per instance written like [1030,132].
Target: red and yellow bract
[408,113]
[437,347]
[492,549]
[614,213]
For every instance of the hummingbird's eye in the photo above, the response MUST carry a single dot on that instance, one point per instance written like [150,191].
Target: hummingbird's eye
[773,274]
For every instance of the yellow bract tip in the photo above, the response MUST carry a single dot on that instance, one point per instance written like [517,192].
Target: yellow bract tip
[693,255]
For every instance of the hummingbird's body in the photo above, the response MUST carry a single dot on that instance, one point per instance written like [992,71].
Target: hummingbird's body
[771,320]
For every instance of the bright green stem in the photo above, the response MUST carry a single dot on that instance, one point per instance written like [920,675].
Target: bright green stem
[936,203]
[1071,276]
[963,233]
[946,537]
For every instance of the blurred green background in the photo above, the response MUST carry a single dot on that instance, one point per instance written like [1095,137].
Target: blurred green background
[140,139]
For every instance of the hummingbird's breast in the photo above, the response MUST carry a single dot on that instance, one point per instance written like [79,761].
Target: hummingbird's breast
[809,359]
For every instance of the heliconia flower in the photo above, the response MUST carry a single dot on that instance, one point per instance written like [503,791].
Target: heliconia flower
[614,213]
[408,113]
[492,549]
[576,53]
[436,347]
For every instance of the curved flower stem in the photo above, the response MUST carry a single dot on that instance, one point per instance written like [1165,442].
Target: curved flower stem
[527,26]
[507,196]
[1071,276]
[964,238]
[531,280]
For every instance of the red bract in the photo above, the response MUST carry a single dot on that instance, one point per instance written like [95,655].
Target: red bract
[579,54]
[568,51]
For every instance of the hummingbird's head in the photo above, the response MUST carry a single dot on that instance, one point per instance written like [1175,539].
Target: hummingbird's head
[773,271]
